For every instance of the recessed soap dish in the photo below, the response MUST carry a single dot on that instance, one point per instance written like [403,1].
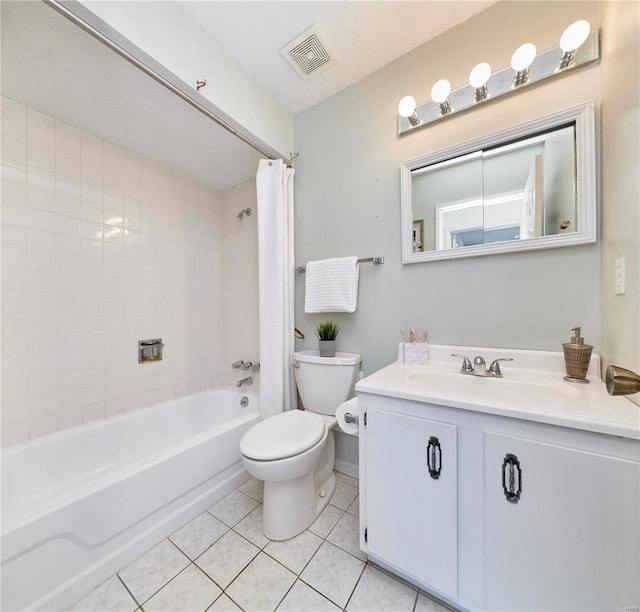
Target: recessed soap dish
[150,350]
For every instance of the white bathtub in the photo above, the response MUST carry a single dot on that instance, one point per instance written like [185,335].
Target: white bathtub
[79,505]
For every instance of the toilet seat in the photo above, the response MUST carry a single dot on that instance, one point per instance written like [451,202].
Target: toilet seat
[285,435]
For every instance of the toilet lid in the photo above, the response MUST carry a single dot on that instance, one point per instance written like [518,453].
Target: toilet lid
[284,435]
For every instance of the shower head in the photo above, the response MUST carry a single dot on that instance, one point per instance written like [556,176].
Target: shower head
[240,215]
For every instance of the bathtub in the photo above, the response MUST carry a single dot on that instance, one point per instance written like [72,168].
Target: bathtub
[79,505]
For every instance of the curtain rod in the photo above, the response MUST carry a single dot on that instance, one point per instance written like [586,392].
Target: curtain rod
[93,31]
[376,262]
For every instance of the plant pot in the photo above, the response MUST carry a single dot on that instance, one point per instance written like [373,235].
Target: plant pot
[327,348]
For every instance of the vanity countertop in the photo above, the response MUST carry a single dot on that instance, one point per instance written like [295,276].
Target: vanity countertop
[532,388]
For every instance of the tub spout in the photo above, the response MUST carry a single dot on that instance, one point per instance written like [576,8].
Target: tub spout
[245,381]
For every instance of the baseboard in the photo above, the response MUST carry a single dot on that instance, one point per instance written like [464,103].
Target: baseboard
[350,469]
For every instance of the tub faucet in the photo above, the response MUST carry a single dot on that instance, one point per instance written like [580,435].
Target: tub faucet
[245,381]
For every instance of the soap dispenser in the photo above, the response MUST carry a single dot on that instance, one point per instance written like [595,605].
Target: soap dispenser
[577,355]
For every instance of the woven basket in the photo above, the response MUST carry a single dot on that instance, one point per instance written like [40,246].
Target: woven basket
[576,359]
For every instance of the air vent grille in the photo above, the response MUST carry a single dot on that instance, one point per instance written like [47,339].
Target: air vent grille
[309,54]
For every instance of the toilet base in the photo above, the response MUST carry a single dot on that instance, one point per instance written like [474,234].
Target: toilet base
[291,506]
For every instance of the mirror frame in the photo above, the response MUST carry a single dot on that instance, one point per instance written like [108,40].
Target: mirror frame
[583,117]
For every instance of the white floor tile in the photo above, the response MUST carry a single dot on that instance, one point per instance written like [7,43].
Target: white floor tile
[379,591]
[250,527]
[253,488]
[153,570]
[302,598]
[326,521]
[233,508]
[224,604]
[346,535]
[189,591]
[343,495]
[426,604]
[296,552]
[354,508]
[262,585]
[350,480]
[110,596]
[196,536]
[227,558]
[333,572]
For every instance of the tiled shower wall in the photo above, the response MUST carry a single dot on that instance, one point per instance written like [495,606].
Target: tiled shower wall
[102,248]
[240,281]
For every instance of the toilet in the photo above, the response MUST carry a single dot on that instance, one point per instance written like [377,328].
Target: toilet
[294,452]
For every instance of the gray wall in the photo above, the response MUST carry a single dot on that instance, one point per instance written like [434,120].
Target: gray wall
[348,200]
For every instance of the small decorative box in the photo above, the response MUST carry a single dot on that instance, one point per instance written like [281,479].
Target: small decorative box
[414,353]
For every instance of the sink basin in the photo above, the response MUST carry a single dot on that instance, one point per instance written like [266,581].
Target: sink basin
[520,390]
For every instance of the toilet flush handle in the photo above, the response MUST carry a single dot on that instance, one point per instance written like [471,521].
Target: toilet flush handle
[296,364]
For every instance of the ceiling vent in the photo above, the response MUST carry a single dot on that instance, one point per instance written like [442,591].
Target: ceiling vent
[309,54]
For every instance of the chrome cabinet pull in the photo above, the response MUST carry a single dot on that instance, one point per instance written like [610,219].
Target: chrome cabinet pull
[511,465]
[434,457]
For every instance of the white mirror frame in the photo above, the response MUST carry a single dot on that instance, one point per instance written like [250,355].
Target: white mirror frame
[585,233]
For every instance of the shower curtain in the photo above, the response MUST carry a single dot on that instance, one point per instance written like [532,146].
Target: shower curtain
[274,183]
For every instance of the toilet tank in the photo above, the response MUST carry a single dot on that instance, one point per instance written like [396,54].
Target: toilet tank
[325,382]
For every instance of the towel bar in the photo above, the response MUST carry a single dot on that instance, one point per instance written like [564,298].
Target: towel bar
[376,261]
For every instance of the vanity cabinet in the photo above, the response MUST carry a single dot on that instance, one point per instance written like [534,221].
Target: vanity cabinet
[412,496]
[522,516]
[561,527]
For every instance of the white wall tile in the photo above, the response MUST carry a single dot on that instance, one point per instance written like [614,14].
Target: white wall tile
[101,248]
[13,192]
[13,108]
[14,214]
[35,117]
[40,137]
[14,149]
[42,199]
[16,433]
[69,418]
[43,425]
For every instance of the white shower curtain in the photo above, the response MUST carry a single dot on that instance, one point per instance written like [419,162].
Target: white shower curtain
[274,183]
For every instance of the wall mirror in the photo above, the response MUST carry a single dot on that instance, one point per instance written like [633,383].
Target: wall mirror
[525,188]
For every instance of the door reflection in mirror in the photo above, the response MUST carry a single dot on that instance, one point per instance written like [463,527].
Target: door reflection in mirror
[515,191]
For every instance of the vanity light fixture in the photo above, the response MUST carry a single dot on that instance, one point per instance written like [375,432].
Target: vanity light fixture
[478,78]
[521,59]
[407,108]
[579,46]
[440,94]
[573,38]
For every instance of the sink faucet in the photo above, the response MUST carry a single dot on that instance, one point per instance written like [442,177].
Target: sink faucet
[479,366]
[245,381]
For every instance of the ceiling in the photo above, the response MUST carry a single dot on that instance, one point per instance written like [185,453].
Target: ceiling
[52,65]
[365,35]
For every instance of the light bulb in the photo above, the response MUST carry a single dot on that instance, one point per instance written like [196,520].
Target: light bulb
[440,91]
[575,35]
[523,56]
[479,76]
[407,106]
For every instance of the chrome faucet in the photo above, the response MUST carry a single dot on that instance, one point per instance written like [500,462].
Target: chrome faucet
[245,381]
[479,366]
[245,365]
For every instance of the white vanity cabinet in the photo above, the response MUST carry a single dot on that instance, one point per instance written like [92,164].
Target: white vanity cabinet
[523,516]
[561,526]
[412,496]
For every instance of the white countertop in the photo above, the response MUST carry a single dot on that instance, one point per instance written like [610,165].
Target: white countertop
[532,388]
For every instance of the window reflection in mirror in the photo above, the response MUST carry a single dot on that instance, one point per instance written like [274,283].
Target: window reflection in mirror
[516,191]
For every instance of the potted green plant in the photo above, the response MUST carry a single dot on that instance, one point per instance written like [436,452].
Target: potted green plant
[327,332]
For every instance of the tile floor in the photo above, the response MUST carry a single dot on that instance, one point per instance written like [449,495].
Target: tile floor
[222,562]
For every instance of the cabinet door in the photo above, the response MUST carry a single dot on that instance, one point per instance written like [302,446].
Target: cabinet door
[568,536]
[412,497]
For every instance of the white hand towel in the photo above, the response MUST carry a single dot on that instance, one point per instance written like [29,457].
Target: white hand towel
[331,285]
